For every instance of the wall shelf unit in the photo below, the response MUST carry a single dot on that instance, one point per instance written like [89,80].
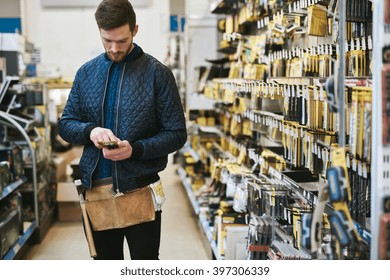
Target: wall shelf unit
[281,122]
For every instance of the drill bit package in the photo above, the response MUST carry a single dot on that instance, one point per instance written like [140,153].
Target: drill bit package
[317,21]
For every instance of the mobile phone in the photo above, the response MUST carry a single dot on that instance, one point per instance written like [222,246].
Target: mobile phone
[109,144]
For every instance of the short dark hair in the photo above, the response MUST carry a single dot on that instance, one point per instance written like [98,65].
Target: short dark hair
[111,14]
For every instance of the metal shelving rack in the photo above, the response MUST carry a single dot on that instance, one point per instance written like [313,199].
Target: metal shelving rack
[380,163]
[28,233]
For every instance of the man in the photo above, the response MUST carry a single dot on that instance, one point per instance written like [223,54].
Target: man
[126,96]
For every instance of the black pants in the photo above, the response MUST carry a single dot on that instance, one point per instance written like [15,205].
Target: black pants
[143,241]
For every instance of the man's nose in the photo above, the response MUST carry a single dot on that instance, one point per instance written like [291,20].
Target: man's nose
[114,47]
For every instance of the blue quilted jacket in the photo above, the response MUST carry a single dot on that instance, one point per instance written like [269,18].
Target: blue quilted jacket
[149,115]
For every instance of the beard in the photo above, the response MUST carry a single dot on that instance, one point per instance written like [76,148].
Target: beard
[116,57]
[119,56]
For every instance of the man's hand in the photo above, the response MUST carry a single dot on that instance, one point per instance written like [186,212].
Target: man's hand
[100,134]
[124,151]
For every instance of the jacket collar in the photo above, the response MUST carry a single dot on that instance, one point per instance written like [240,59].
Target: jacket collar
[135,53]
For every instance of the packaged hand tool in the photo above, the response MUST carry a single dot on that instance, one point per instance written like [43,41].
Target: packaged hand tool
[338,189]
[340,195]
[342,227]
[306,221]
[316,226]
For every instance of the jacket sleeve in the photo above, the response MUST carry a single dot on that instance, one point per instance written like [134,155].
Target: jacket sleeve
[71,126]
[172,134]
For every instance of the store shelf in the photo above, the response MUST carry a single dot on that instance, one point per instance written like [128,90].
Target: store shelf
[313,199]
[12,187]
[208,231]
[288,93]
[188,148]
[22,241]
[26,134]
[187,186]
[211,129]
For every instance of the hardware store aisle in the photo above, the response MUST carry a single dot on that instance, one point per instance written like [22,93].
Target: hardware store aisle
[181,239]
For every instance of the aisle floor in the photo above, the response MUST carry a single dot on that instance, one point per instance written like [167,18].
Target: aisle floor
[182,238]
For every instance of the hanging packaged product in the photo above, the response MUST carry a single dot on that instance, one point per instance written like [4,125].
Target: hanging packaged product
[240,197]
[317,21]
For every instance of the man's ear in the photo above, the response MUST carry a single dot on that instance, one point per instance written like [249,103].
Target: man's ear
[135,31]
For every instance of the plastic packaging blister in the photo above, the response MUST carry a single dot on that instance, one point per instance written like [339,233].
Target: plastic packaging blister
[158,195]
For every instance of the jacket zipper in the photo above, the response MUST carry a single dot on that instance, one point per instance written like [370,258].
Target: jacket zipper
[102,123]
[116,123]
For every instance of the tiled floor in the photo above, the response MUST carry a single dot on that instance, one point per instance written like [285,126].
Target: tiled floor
[181,237]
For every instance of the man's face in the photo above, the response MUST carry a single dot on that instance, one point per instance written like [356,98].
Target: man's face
[118,42]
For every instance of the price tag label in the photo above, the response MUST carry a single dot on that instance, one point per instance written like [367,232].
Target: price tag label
[364,170]
[275,173]
[354,164]
[289,217]
[261,160]
[360,169]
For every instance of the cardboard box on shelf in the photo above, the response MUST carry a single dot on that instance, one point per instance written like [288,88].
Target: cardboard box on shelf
[62,160]
[68,203]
